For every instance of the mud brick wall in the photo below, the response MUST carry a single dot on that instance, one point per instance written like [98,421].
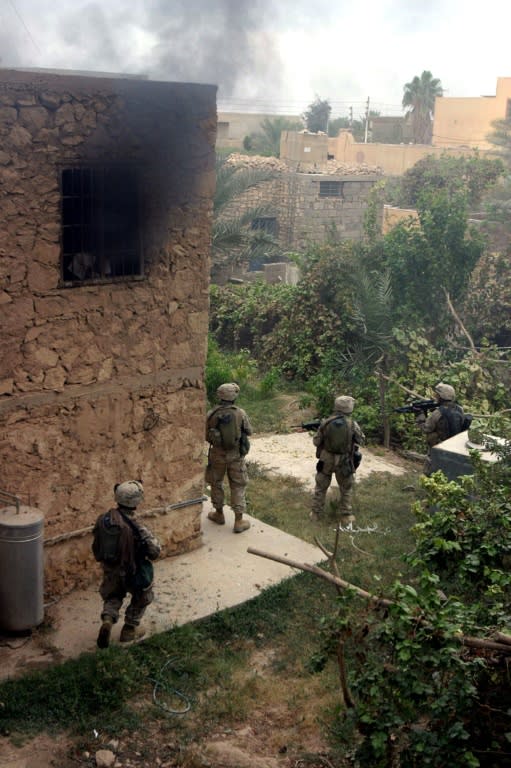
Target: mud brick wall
[103,382]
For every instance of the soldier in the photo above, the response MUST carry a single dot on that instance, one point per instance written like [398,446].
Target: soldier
[227,430]
[337,441]
[443,422]
[125,549]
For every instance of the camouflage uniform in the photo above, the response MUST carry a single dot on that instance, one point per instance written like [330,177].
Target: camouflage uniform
[123,547]
[230,462]
[443,422]
[115,583]
[339,464]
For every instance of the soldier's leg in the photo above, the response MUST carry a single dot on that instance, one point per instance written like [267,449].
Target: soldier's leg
[238,481]
[346,484]
[140,599]
[216,476]
[113,592]
[323,480]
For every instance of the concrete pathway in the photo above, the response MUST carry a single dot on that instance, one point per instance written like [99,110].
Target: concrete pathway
[218,575]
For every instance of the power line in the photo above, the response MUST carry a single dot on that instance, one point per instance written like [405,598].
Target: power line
[18,14]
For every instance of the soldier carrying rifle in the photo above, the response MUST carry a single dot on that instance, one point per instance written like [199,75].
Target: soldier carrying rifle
[337,441]
[446,419]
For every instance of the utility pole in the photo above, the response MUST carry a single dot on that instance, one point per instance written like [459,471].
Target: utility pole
[367,120]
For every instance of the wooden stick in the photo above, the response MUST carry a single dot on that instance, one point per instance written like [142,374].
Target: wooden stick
[471,642]
[335,580]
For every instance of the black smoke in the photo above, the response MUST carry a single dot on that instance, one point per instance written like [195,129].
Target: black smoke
[229,43]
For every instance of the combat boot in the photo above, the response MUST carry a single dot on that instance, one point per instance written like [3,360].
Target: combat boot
[217,517]
[346,519]
[240,525]
[129,632]
[103,640]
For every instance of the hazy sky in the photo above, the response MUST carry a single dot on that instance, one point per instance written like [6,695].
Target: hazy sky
[274,54]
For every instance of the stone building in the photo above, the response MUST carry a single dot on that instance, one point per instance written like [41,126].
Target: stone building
[306,201]
[106,188]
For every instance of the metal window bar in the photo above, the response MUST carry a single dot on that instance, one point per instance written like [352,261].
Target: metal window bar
[100,224]
[330,189]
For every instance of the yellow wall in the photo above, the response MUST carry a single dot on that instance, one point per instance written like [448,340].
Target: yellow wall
[303,147]
[468,121]
[393,216]
[234,126]
[393,159]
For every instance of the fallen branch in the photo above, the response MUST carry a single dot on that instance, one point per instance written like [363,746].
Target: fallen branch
[470,642]
[335,580]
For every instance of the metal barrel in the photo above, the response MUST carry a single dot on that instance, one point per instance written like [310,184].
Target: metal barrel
[21,568]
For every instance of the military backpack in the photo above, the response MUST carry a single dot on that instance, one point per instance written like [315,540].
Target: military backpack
[338,435]
[225,430]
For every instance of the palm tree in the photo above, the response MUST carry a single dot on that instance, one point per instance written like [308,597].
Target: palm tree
[233,237]
[419,101]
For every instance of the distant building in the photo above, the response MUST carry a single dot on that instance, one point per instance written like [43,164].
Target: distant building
[307,200]
[234,126]
[390,130]
[467,121]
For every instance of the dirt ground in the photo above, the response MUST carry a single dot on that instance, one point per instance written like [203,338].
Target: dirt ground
[278,736]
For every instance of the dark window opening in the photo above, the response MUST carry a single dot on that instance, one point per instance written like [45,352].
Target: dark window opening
[267,224]
[508,109]
[330,188]
[100,224]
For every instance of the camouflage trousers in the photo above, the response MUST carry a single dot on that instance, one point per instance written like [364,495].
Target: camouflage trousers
[114,589]
[327,466]
[236,471]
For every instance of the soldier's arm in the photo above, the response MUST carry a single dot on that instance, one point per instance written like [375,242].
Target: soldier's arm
[358,435]
[318,437]
[151,544]
[246,425]
[431,423]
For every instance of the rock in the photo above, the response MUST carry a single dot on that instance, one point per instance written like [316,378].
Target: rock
[104,758]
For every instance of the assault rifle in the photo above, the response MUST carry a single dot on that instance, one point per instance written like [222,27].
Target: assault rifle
[311,425]
[418,406]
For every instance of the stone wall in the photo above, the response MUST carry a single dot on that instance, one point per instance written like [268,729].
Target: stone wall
[293,198]
[315,216]
[103,382]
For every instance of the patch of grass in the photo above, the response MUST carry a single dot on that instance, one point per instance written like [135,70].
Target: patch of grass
[372,559]
[211,660]
[96,690]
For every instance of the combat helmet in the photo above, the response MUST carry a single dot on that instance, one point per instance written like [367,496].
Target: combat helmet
[445,391]
[129,494]
[344,404]
[228,392]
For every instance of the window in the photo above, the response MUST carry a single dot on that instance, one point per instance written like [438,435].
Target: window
[100,224]
[330,188]
[267,224]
